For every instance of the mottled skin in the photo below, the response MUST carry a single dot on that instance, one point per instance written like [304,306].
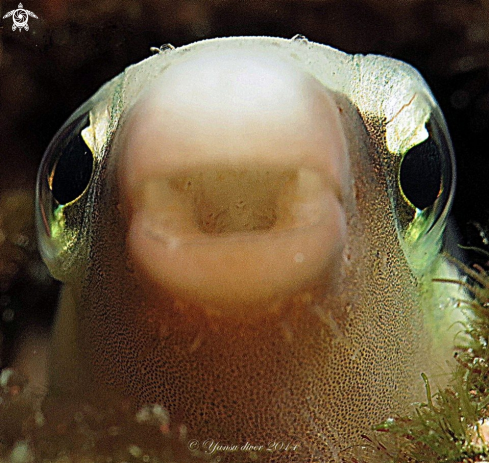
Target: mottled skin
[316,365]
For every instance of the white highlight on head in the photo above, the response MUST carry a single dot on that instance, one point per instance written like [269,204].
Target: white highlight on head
[233,168]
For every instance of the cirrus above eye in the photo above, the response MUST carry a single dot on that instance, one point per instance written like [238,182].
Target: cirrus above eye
[72,172]
[420,175]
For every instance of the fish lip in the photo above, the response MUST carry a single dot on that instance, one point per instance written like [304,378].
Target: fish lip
[228,272]
[231,238]
[173,215]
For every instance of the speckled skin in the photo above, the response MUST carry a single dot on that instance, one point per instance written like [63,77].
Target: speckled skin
[286,377]
[318,371]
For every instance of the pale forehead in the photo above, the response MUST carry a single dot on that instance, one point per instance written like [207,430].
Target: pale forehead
[390,96]
[236,107]
[230,82]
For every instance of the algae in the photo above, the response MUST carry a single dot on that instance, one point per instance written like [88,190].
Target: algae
[452,426]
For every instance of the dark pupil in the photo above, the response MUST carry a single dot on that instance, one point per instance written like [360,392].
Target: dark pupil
[420,174]
[73,170]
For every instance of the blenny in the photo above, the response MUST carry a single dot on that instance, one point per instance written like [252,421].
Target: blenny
[247,230]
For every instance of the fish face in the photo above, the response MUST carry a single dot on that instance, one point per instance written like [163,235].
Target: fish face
[234,220]
[247,230]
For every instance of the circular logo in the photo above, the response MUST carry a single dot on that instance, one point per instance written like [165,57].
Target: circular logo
[20,16]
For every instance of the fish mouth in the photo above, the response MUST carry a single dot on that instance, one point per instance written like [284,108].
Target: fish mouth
[233,177]
[233,205]
[237,238]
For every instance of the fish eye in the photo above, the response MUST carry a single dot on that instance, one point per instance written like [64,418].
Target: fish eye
[426,171]
[63,179]
[420,174]
[426,182]
[72,170]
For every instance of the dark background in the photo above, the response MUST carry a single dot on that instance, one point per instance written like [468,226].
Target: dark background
[75,46]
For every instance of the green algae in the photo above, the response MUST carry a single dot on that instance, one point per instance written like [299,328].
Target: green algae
[452,425]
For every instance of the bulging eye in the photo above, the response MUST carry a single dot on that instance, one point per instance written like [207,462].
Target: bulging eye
[426,181]
[73,163]
[64,178]
[426,173]
[420,175]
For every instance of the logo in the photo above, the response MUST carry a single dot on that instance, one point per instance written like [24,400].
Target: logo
[20,16]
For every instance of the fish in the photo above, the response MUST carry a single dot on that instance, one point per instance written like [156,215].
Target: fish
[248,230]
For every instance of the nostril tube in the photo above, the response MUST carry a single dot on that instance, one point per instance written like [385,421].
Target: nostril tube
[228,208]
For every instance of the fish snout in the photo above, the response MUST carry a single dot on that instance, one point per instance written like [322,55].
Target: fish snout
[233,174]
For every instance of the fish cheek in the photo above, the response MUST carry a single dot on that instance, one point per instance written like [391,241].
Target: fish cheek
[384,291]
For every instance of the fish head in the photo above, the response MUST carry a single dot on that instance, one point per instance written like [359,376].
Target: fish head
[248,228]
